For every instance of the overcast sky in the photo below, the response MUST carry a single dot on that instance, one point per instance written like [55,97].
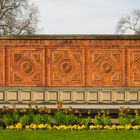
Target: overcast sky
[83,16]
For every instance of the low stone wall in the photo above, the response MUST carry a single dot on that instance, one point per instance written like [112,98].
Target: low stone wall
[82,70]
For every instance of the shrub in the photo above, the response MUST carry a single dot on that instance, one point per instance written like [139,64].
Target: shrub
[136,120]
[98,120]
[26,119]
[10,119]
[124,116]
[7,120]
[15,117]
[123,120]
[66,119]
[38,119]
[85,121]
[106,120]
[70,119]
[102,119]
[59,118]
[47,119]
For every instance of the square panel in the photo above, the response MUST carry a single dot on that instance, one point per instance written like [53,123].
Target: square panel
[39,95]
[25,95]
[120,96]
[106,67]
[134,67]
[133,96]
[106,96]
[80,96]
[26,66]
[2,66]
[53,96]
[65,96]
[12,95]
[66,67]
[93,96]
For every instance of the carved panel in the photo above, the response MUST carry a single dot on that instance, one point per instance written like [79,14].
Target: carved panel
[80,96]
[134,67]
[39,96]
[25,96]
[12,95]
[133,96]
[93,96]
[53,96]
[120,96]
[26,66]
[2,66]
[66,96]
[106,96]
[106,67]
[66,67]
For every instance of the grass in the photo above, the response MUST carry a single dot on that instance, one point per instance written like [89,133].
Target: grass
[69,135]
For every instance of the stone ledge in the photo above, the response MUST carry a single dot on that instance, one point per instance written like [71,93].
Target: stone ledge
[71,37]
[132,106]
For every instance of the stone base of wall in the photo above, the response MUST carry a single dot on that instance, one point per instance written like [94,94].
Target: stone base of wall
[80,97]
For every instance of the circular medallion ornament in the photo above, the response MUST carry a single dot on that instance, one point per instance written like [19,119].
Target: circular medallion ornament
[106,67]
[66,67]
[27,66]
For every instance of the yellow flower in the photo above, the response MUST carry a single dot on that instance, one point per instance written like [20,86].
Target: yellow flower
[27,127]
[128,127]
[113,126]
[18,126]
[107,127]
[92,127]
[41,126]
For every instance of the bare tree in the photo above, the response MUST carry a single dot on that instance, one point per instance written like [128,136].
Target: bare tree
[18,17]
[129,23]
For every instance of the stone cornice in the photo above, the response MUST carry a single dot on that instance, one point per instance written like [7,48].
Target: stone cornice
[71,37]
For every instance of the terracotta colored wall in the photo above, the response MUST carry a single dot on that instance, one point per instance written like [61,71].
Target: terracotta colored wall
[69,62]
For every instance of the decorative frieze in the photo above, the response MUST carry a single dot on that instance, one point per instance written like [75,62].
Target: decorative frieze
[70,95]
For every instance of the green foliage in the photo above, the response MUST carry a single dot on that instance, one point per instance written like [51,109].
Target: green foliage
[7,119]
[38,119]
[136,120]
[10,119]
[59,118]
[85,121]
[15,117]
[124,116]
[66,119]
[71,119]
[102,120]
[124,120]
[106,120]
[47,119]
[26,119]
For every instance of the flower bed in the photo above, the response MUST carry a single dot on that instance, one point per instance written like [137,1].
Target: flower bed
[66,119]
[74,127]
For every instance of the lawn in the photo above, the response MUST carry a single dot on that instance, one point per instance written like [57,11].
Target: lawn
[69,135]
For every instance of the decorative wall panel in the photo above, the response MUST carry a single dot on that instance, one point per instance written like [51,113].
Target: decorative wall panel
[2,67]
[106,67]
[66,67]
[134,67]
[26,66]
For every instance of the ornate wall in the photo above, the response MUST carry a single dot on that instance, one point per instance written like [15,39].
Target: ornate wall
[78,65]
